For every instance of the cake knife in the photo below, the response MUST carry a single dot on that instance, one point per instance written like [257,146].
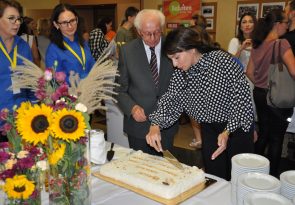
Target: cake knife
[167,155]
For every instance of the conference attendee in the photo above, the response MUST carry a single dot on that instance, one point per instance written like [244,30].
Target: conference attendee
[272,122]
[27,35]
[10,46]
[210,86]
[241,46]
[144,76]
[68,51]
[125,32]
[97,41]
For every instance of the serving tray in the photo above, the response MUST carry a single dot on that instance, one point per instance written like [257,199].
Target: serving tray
[176,200]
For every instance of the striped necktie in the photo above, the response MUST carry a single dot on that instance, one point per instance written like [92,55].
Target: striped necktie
[154,68]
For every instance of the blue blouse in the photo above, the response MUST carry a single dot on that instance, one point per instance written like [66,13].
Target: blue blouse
[10,98]
[66,61]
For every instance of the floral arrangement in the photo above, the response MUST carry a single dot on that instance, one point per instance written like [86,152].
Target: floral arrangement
[21,162]
[53,129]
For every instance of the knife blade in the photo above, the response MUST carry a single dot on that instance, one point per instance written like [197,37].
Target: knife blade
[167,155]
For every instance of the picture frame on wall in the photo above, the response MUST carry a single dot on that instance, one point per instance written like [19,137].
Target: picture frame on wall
[208,11]
[210,24]
[267,7]
[243,8]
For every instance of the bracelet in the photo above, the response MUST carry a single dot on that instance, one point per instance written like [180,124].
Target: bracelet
[226,132]
[153,124]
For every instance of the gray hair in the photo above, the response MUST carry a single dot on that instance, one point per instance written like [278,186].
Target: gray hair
[146,13]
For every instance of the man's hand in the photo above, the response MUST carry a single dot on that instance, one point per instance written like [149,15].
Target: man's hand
[222,143]
[138,113]
[153,138]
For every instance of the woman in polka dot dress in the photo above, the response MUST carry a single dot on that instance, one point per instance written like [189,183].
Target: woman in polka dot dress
[210,86]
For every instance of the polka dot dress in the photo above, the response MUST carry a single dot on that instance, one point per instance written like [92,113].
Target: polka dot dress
[213,90]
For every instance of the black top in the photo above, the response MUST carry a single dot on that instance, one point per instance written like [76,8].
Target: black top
[290,36]
[214,90]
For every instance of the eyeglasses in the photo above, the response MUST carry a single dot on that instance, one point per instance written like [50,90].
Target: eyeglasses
[71,22]
[15,19]
[149,34]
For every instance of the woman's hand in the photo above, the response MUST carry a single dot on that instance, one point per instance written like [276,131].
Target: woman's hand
[246,44]
[153,138]
[222,143]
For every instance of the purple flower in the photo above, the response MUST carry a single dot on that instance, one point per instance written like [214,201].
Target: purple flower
[4,114]
[25,163]
[4,145]
[4,156]
[40,94]
[60,77]
[5,128]
[9,173]
[41,82]
[55,96]
[63,89]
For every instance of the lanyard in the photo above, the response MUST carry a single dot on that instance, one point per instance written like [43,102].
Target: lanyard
[12,62]
[82,61]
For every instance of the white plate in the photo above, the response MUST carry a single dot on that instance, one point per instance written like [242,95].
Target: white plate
[262,198]
[259,181]
[250,160]
[289,177]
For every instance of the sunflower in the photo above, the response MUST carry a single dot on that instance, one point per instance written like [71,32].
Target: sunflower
[59,151]
[19,187]
[33,123]
[23,107]
[68,125]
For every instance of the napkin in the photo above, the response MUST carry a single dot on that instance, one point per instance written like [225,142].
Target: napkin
[97,147]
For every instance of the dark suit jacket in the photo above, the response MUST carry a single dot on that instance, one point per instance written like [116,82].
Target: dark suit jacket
[137,87]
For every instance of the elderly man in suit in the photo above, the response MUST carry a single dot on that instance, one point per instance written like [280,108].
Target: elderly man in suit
[144,76]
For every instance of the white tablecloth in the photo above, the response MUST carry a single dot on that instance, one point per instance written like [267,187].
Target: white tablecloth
[105,193]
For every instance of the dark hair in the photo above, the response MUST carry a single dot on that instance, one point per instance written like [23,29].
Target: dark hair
[240,35]
[130,11]
[24,28]
[6,3]
[101,24]
[292,5]
[56,36]
[265,25]
[183,39]
[200,20]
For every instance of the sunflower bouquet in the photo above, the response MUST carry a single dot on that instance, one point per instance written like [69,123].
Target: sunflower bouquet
[58,122]
[67,142]
[21,162]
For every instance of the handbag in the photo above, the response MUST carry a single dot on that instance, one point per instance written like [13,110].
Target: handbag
[281,86]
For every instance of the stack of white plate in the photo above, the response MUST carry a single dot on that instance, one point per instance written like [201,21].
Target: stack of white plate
[288,184]
[245,163]
[266,198]
[256,182]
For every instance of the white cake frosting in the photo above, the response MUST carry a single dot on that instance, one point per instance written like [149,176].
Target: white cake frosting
[153,174]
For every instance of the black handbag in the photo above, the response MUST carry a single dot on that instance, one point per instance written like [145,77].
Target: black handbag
[281,86]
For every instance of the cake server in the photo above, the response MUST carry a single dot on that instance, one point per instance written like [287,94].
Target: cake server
[110,153]
[167,155]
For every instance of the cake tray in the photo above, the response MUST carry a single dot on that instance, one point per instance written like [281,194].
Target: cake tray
[176,200]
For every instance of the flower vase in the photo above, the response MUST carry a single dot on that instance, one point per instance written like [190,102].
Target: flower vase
[69,178]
